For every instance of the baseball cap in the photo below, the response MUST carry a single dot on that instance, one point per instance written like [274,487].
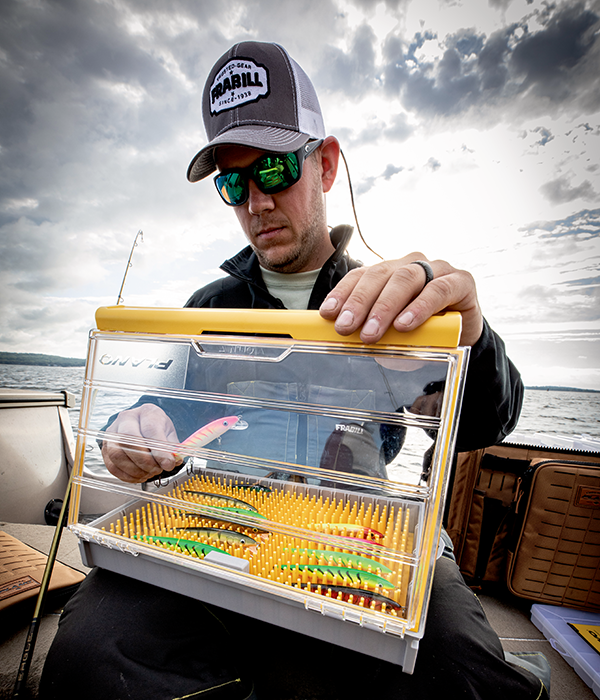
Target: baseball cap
[256,95]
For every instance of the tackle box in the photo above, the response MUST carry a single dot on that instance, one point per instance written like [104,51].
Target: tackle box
[553,621]
[312,472]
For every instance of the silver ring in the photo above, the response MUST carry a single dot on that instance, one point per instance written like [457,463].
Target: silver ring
[428,271]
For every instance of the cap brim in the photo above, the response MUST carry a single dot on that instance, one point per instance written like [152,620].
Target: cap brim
[260,137]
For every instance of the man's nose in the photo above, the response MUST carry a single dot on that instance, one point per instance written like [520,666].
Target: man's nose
[258,201]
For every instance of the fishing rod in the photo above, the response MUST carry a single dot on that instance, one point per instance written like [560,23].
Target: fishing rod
[34,626]
[32,633]
[140,235]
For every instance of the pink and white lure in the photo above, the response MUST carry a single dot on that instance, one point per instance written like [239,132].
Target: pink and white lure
[211,431]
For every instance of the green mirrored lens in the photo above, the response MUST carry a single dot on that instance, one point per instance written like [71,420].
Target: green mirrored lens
[274,173]
[232,187]
[271,175]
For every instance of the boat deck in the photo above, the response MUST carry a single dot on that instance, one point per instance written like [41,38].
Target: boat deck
[509,616]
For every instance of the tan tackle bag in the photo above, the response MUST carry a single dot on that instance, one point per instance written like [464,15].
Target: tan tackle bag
[21,572]
[554,553]
[481,510]
[528,518]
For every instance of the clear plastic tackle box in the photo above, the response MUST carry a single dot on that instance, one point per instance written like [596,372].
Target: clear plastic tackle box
[311,468]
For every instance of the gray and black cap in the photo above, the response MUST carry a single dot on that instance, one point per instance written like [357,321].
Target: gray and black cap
[256,95]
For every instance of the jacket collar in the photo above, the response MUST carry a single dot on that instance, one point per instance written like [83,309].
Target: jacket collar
[245,266]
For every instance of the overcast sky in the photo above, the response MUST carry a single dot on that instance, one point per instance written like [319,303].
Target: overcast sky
[472,131]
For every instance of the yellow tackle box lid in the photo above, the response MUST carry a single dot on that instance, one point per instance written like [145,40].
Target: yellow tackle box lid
[441,330]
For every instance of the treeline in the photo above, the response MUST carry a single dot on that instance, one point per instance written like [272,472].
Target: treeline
[33,358]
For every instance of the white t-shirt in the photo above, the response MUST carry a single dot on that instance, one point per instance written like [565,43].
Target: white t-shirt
[293,289]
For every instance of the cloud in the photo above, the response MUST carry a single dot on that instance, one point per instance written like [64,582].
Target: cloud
[467,42]
[584,225]
[564,305]
[391,170]
[101,113]
[545,63]
[100,116]
[556,275]
[559,191]
[586,283]
[545,135]
[369,182]
[365,185]
[400,129]
[433,164]
[353,71]
[397,129]
[550,59]
[565,358]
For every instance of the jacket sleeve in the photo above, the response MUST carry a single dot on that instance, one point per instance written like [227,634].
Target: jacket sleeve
[493,395]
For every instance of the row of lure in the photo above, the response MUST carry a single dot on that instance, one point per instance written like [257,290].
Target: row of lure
[324,568]
[319,571]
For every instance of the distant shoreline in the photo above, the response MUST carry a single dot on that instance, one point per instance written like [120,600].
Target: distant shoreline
[40,360]
[562,388]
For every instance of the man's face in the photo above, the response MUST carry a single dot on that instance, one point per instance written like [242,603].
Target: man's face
[288,230]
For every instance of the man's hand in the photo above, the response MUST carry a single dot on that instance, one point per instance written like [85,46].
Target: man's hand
[137,464]
[393,293]
[428,404]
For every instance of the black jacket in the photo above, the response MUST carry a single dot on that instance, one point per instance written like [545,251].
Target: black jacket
[244,288]
[493,391]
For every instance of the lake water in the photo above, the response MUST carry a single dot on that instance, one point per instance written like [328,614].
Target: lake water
[555,412]
[559,412]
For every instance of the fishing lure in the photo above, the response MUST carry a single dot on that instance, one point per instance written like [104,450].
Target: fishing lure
[352,561]
[253,487]
[366,532]
[227,501]
[221,520]
[239,511]
[227,536]
[211,431]
[372,600]
[353,575]
[188,546]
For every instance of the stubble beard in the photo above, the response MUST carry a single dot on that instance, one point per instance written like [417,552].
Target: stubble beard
[296,258]
[308,243]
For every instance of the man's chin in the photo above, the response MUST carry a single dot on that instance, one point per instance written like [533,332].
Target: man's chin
[279,263]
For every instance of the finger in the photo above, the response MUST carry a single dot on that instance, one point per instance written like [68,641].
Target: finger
[335,300]
[379,298]
[141,461]
[454,291]
[145,421]
[375,294]
[130,477]
[119,463]
[162,431]
[378,293]
[402,287]
[428,405]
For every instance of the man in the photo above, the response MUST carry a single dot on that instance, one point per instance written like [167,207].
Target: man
[275,163]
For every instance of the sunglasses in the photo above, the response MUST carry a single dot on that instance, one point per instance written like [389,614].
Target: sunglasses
[271,173]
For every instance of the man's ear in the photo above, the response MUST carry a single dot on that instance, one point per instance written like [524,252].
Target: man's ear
[330,156]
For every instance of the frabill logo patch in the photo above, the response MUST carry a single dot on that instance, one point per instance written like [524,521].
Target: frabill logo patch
[239,82]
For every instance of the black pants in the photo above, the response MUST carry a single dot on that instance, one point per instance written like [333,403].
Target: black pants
[119,638]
